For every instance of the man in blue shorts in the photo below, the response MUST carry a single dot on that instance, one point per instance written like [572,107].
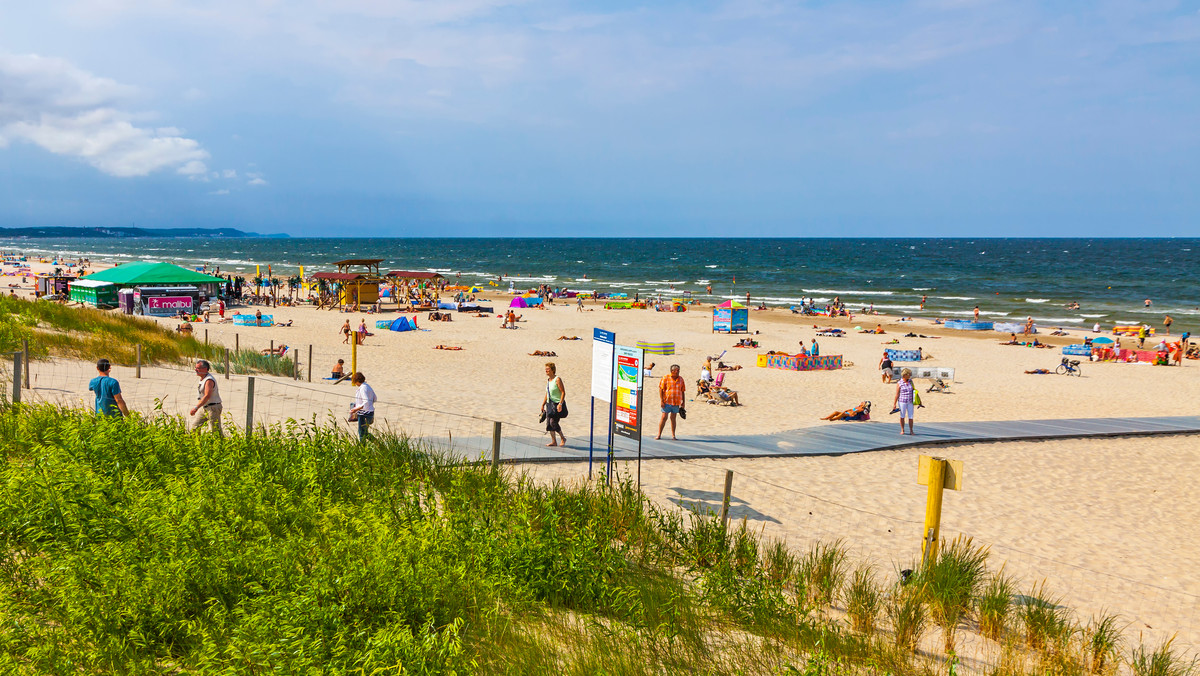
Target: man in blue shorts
[108,392]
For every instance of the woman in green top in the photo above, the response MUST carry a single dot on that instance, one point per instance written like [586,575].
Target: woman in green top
[554,404]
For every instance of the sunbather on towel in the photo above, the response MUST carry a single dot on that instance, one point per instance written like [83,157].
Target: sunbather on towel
[542,353]
[1039,372]
[860,412]
[569,338]
[722,366]
[447,347]
[276,352]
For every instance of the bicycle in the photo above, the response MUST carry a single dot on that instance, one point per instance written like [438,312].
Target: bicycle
[1069,367]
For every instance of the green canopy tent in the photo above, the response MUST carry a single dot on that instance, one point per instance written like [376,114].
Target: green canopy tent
[157,279]
[153,274]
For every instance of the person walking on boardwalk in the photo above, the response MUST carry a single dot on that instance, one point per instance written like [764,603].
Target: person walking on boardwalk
[905,392]
[364,405]
[670,394]
[554,404]
[208,405]
[109,401]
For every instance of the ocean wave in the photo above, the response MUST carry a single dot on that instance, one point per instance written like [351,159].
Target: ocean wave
[712,266]
[1037,300]
[922,288]
[955,297]
[1093,316]
[543,278]
[850,293]
[1058,320]
[703,281]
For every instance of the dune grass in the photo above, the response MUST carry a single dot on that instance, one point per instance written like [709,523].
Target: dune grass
[88,334]
[133,547]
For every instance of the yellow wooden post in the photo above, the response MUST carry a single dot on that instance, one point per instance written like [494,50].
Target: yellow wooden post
[939,474]
[935,476]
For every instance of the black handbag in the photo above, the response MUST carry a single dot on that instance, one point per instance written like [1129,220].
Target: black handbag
[560,414]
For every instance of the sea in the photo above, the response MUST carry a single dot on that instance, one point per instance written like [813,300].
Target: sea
[1009,279]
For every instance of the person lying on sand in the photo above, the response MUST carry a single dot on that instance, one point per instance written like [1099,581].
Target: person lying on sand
[283,324]
[569,338]
[274,352]
[858,412]
[542,353]
[722,366]
[1039,372]
[446,347]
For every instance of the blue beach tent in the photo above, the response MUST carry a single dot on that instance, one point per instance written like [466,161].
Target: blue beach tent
[403,324]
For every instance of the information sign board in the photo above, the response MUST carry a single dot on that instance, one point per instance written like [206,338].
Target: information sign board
[627,389]
[602,363]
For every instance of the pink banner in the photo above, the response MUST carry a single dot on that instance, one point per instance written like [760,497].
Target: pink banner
[170,304]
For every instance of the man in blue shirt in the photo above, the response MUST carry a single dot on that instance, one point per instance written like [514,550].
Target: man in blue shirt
[108,392]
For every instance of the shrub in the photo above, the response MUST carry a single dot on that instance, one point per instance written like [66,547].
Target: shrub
[823,569]
[864,600]
[1102,641]
[993,605]
[906,610]
[950,581]
[1162,661]
[1044,619]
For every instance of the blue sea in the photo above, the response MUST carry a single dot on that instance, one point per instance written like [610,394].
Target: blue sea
[1009,279]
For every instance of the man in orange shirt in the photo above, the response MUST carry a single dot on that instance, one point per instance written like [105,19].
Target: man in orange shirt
[670,393]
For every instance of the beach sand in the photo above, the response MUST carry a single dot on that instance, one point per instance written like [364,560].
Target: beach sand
[1110,523]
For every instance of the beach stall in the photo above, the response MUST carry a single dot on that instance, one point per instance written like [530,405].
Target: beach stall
[731,317]
[93,292]
[54,285]
[904,355]
[134,275]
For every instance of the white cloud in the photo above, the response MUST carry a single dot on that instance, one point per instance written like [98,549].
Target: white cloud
[229,173]
[222,191]
[256,181]
[68,111]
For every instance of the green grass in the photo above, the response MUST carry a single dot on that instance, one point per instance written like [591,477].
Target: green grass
[88,334]
[133,547]
[1162,661]
[864,600]
[994,604]
[950,582]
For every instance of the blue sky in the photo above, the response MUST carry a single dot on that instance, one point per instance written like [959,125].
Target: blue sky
[489,117]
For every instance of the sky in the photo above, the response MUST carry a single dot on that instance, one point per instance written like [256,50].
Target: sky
[496,117]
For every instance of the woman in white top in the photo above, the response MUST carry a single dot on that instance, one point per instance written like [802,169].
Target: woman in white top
[364,405]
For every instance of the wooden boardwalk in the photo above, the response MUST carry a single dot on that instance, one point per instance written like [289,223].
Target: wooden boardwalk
[846,437]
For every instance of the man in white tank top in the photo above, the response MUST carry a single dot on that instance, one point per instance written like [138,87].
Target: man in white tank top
[208,406]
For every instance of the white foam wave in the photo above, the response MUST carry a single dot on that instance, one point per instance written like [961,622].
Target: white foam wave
[1057,320]
[1037,300]
[849,293]
[922,288]
[712,266]
[1093,316]
[955,297]
[543,278]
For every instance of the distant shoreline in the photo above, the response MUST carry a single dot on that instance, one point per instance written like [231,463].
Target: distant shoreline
[101,232]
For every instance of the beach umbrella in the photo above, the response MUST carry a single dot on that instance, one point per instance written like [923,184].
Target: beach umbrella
[1102,340]
[731,304]
[475,289]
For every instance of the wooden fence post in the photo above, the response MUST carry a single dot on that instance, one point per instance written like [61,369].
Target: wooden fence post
[206,336]
[236,343]
[139,361]
[726,498]
[16,378]
[249,405]
[25,350]
[310,362]
[226,363]
[495,445]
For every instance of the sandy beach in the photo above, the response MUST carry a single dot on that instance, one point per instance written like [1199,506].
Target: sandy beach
[1108,522]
